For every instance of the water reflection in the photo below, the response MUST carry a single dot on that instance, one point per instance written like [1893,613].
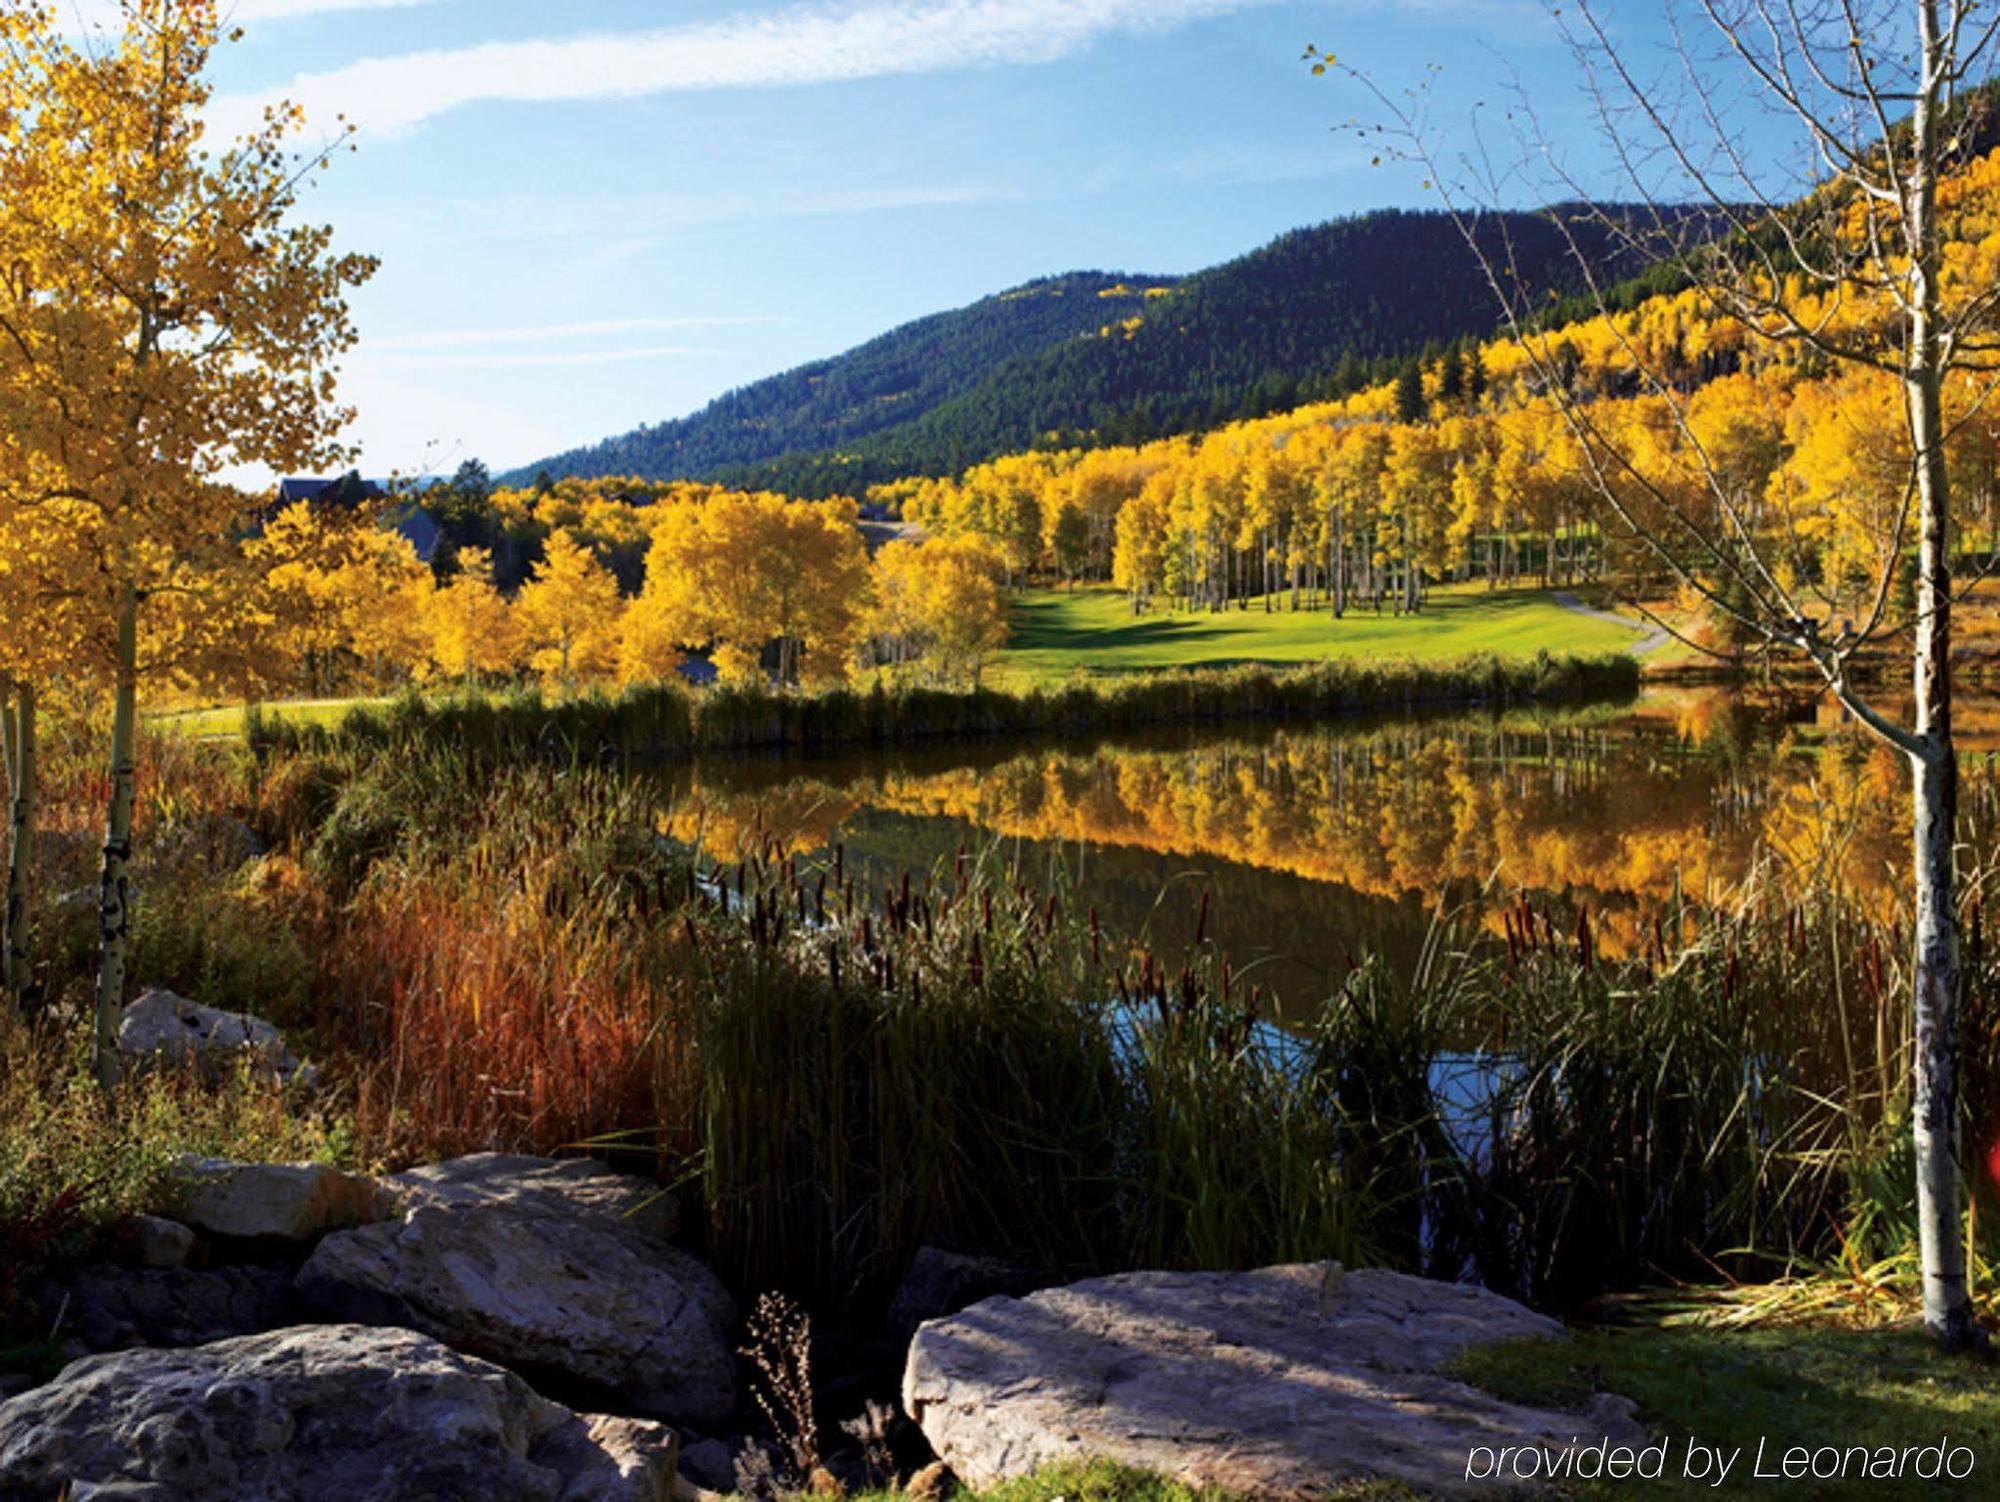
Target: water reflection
[1317,844]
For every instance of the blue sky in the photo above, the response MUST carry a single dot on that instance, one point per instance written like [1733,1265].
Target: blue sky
[602,212]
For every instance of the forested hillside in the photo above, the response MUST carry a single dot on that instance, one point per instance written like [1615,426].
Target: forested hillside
[888,381]
[1315,314]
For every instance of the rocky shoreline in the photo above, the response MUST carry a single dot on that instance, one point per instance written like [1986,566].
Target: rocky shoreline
[509,1326]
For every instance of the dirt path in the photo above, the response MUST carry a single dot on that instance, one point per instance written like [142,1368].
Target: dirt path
[1656,636]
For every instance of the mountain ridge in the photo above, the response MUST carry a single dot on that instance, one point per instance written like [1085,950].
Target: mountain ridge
[1093,357]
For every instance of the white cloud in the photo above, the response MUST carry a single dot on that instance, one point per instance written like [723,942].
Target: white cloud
[464,338]
[804,45]
[543,358]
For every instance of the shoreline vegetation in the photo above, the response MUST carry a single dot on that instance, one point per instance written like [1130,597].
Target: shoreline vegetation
[666,721]
[481,932]
[447,906]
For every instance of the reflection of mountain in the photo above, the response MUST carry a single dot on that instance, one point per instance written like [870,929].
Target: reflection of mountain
[1336,839]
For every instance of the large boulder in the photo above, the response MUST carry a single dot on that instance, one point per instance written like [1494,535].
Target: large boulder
[1271,1384]
[324,1413]
[584,1298]
[161,1029]
[277,1201]
[549,1186]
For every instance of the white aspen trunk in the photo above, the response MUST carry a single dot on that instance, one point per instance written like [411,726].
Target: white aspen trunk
[15,958]
[114,889]
[1338,563]
[1934,767]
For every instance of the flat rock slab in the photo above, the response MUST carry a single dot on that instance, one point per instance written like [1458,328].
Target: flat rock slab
[552,1186]
[282,1201]
[322,1413]
[583,1297]
[1273,1384]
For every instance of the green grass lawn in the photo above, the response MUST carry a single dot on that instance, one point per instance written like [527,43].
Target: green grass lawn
[1093,630]
[1784,1385]
[211,724]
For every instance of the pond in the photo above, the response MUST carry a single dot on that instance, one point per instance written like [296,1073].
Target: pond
[1298,849]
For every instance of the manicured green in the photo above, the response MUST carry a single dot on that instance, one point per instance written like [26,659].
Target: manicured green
[1787,1385]
[1057,633]
[228,720]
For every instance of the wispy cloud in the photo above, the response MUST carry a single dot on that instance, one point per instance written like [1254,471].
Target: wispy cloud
[539,359]
[475,338]
[804,45]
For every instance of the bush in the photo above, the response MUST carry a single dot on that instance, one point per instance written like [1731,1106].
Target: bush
[73,1162]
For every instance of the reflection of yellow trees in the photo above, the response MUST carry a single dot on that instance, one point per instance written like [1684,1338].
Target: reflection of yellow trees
[802,815]
[1385,817]
[1617,819]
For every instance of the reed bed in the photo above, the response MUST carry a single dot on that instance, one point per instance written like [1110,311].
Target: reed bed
[666,721]
[842,1070]
[503,950]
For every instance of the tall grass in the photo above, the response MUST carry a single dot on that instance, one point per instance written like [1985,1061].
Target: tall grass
[668,720]
[848,1072]
[502,950]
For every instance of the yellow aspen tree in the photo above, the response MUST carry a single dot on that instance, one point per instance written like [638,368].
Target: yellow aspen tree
[168,325]
[569,613]
[964,603]
[385,595]
[896,623]
[751,572]
[471,625]
[305,551]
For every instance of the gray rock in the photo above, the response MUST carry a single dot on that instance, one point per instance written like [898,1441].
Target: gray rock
[584,1297]
[602,1458]
[1272,1384]
[116,1308]
[158,1242]
[161,1029]
[288,1201]
[325,1413]
[940,1283]
[554,1186]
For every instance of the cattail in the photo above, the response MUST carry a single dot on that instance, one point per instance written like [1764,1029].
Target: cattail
[1201,918]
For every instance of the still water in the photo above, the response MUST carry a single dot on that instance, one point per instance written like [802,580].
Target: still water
[1314,845]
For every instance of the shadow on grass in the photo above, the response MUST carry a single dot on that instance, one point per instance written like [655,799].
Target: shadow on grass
[1810,1386]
